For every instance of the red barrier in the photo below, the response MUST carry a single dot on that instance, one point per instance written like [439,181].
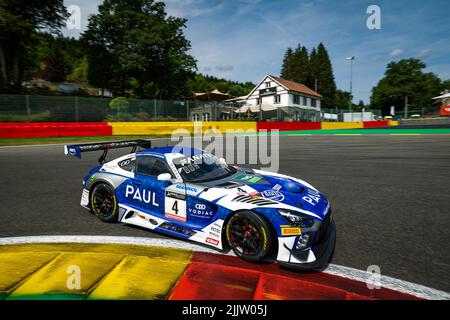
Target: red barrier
[53,129]
[373,124]
[288,126]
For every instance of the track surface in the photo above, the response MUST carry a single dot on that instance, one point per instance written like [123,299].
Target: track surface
[390,196]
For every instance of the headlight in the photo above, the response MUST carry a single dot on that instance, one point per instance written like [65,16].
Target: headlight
[296,218]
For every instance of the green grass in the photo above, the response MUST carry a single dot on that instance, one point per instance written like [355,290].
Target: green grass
[381,131]
[31,141]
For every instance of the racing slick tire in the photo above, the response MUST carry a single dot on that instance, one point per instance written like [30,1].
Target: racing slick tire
[250,236]
[104,202]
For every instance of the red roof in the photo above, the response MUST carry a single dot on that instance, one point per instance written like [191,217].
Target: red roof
[295,86]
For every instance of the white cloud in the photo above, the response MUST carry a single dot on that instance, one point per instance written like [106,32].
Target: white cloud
[395,53]
[224,67]
[425,53]
[191,8]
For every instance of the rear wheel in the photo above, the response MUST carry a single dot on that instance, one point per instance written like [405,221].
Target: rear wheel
[104,202]
[249,236]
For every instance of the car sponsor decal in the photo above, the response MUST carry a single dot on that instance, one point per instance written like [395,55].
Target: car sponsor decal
[142,195]
[177,229]
[200,210]
[290,231]
[312,197]
[72,151]
[249,178]
[276,187]
[187,188]
[188,160]
[175,206]
[273,195]
[212,241]
[175,195]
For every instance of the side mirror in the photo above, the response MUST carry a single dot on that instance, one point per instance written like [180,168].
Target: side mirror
[223,161]
[164,177]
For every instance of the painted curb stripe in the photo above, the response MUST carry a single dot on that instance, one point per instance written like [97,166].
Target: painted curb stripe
[107,271]
[341,271]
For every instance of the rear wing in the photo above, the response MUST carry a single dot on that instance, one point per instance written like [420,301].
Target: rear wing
[76,149]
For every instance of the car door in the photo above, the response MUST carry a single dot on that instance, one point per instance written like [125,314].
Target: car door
[145,192]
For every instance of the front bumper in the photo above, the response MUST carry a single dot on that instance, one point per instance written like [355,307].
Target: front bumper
[323,251]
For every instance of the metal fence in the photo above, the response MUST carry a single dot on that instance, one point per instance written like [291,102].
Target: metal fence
[24,108]
[72,108]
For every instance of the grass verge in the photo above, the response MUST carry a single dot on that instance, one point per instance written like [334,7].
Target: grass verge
[53,140]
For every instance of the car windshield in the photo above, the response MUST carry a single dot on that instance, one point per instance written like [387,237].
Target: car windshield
[202,167]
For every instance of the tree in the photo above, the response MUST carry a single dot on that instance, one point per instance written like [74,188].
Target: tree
[315,71]
[287,68]
[55,68]
[57,57]
[323,71]
[360,106]
[311,82]
[202,83]
[445,85]
[295,65]
[300,65]
[342,98]
[405,78]
[80,71]
[19,22]
[135,45]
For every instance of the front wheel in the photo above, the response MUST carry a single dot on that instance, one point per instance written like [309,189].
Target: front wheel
[249,236]
[104,202]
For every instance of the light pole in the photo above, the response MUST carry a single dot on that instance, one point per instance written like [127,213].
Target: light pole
[351,84]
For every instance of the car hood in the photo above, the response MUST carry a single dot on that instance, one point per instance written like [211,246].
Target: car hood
[295,194]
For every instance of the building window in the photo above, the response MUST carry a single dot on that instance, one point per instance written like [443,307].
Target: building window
[296,116]
[268,84]
[259,101]
[277,99]
[296,99]
[313,102]
[304,101]
[195,117]
[205,116]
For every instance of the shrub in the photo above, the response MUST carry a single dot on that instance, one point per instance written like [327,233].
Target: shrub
[163,119]
[121,117]
[38,117]
[119,104]
[142,116]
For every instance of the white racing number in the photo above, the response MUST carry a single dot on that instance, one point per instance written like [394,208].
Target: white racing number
[175,206]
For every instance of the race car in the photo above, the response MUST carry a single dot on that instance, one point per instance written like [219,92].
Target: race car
[191,194]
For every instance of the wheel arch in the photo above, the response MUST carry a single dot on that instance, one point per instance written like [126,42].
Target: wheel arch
[97,182]
[274,235]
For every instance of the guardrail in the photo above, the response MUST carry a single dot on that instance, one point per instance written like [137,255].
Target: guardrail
[68,129]
[53,129]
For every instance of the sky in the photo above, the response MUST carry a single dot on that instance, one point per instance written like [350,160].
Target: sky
[243,40]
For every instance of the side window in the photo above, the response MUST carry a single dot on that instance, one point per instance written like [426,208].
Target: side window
[128,164]
[151,166]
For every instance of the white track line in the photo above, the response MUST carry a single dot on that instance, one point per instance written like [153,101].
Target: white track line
[346,272]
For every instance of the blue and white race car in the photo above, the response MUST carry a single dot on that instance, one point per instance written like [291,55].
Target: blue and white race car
[191,194]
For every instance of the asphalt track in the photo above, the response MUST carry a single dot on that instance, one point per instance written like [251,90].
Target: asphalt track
[390,196]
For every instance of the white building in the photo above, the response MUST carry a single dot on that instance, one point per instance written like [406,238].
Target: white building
[276,98]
